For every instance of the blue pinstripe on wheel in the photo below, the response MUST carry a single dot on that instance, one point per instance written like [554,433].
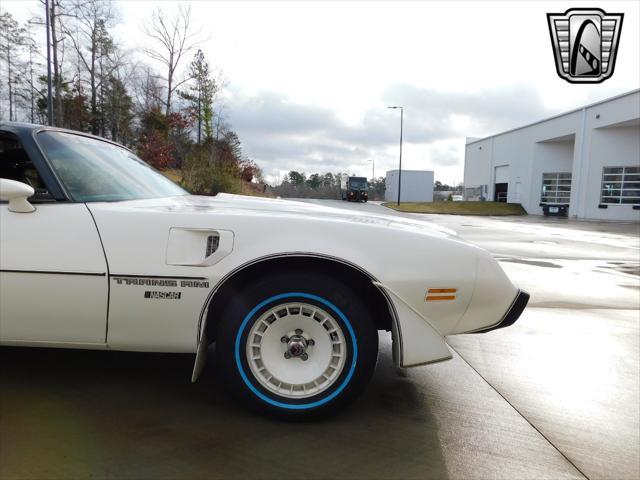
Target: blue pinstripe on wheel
[295,406]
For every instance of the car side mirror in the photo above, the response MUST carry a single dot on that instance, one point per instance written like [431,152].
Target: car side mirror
[16,193]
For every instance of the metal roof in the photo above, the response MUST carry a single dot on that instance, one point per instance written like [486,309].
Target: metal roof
[555,116]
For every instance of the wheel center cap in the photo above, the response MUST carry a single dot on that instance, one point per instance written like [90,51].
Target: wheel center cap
[297,346]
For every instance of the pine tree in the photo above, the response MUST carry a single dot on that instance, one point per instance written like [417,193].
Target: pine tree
[118,111]
[201,95]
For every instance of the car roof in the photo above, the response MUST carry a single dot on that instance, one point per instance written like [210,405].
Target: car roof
[20,128]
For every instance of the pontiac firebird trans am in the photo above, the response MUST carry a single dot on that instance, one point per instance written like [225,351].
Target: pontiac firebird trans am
[99,251]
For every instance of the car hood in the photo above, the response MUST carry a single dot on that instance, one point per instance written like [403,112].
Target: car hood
[258,206]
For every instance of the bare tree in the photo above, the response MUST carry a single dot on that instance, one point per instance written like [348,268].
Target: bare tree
[92,43]
[57,47]
[56,13]
[33,66]
[12,40]
[147,90]
[175,39]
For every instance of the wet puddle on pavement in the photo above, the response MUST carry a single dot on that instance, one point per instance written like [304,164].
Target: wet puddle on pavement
[535,263]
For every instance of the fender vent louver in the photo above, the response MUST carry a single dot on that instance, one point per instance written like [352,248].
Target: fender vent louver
[212,245]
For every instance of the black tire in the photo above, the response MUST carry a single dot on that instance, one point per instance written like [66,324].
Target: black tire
[347,310]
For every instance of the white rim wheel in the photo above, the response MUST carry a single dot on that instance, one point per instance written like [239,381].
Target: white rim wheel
[296,350]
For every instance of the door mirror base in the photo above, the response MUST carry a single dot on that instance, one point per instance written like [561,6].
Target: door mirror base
[16,193]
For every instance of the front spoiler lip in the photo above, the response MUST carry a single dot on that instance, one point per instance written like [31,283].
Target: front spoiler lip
[514,312]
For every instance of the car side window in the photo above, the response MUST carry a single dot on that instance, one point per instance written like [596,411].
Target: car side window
[16,165]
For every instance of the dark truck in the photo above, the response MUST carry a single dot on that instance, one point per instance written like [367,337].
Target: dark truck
[354,189]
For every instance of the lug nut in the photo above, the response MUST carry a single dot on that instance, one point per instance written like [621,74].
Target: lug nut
[298,331]
[287,355]
[304,356]
[311,342]
[284,339]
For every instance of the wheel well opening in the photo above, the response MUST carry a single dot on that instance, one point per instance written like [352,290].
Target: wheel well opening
[355,279]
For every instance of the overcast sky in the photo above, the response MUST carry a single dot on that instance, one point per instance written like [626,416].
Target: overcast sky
[309,82]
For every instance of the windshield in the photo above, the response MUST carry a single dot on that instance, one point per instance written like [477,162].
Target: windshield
[358,182]
[97,171]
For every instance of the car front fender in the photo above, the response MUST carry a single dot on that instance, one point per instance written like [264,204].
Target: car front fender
[417,340]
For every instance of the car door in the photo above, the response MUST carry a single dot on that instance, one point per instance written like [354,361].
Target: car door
[53,272]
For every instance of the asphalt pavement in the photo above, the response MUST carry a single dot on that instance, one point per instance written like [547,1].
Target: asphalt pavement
[555,396]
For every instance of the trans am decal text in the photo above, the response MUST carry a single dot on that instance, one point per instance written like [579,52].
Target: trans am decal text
[161,282]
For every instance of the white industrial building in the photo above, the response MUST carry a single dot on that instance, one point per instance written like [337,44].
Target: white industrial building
[586,161]
[416,186]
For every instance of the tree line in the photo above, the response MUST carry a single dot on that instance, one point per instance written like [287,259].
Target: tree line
[316,185]
[162,102]
[297,184]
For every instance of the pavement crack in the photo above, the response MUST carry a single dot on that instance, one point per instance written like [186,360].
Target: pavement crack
[521,414]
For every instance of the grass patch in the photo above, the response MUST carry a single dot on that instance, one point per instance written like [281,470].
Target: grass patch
[460,208]
[227,183]
[255,190]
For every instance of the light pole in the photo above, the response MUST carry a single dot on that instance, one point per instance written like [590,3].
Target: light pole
[373,168]
[49,97]
[400,167]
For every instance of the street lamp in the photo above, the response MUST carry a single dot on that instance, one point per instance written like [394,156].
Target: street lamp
[400,167]
[49,97]
[373,168]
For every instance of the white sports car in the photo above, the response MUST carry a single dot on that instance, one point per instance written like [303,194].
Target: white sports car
[99,251]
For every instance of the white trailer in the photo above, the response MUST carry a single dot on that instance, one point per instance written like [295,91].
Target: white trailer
[416,186]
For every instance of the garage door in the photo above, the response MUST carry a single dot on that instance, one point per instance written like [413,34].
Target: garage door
[502,174]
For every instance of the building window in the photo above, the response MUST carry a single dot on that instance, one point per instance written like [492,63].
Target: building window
[556,188]
[621,185]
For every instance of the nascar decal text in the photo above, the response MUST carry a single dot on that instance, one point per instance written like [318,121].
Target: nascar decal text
[163,295]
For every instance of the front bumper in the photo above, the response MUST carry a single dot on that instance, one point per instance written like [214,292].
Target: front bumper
[513,313]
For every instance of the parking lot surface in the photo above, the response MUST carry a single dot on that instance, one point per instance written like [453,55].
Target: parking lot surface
[555,396]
